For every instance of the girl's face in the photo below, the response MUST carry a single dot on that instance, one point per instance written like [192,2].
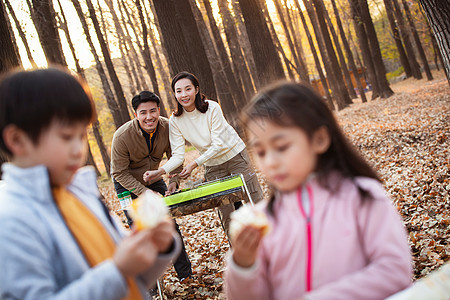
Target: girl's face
[285,155]
[185,93]
[61,148]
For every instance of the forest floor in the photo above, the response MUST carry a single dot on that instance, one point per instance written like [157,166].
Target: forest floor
[405,137]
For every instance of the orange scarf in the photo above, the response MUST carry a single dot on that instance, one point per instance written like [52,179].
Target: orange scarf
[93,239]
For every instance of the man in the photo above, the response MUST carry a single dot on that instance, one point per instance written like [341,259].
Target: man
[138,146]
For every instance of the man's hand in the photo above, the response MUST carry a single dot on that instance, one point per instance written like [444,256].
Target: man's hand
[188,170]
[171,188]
[149,175]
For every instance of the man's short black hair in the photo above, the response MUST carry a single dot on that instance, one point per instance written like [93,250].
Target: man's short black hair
[144,96]
[32,100]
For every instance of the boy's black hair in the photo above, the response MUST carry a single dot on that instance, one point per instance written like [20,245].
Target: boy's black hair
[200,98]
[291,104]
[32,100]
[143,97]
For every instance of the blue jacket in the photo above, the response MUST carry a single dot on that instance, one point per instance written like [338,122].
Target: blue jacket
[39,258]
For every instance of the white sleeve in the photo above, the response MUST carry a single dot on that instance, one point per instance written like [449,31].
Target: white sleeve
[177,143]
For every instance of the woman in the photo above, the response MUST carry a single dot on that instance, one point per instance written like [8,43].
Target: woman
[202,124]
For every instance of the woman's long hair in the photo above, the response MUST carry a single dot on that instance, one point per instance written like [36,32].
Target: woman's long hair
[200,103]
[291,104]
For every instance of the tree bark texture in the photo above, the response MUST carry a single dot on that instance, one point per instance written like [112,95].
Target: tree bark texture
[416,38]
[267,61]
[45,22]
[183,43]
[9,58]
[438,15]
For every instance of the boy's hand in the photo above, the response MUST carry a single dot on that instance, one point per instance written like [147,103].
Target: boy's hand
[246,246]
[162,236]
[135,253]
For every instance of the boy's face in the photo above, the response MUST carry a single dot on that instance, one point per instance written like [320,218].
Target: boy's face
[61,148]
[147,114]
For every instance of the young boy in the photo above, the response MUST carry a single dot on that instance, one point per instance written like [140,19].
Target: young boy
[57,238]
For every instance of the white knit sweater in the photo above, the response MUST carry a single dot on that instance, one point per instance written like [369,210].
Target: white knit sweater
[208,132]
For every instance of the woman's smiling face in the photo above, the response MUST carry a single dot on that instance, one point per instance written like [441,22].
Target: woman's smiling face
[185,93]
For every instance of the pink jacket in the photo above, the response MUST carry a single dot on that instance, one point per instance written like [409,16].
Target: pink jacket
[350,249]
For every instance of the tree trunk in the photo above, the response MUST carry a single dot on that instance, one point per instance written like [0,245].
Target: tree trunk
[109,65]
[111,102]
[277,42]
[350,59]
[90,160]
[438,15]
[413,29]
[322,77]
[236,89]
[365,48]
[239,65]
[9,58]
[147,57]
[267,61]
[45,22]
[136,61]
[222,87]
[341,94]
[244,41]
[298,67]
[297,43]
[383,85]
[342,62]
[21,34]
[406,40]
[183,43]
[397,39]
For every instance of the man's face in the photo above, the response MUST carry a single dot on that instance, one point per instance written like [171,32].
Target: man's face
[147,114]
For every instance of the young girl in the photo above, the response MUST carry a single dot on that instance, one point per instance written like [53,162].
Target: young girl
[334,232]
[201,123]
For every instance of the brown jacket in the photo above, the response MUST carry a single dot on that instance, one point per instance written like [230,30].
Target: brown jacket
[130,157]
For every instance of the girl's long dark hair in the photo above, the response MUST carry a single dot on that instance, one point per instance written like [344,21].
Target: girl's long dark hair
[200,98]
[292,104]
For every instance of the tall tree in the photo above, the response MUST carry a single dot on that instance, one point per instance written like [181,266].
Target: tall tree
[362,14]
[349,53]
[111,102]
[438,14]
[276,41]
[299,66]
[419,47]
[244,40]
[397,38]
[9,58]
[237,56]
[44,19]
[147,57]
[96,124]
[236,88]
[224,94]
[21,33]
[322,77]
[120,97]
[340,90]
[297,41]
[404,30]
[183,43]
[337,46]
[266,59]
